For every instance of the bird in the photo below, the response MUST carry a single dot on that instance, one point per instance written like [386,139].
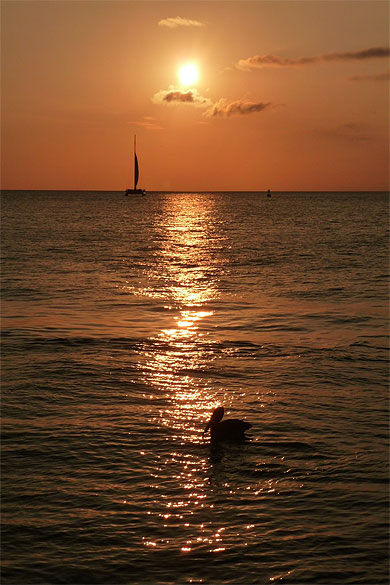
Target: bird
[231,429]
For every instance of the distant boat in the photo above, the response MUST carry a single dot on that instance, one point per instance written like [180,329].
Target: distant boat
[269,193]
[135,191]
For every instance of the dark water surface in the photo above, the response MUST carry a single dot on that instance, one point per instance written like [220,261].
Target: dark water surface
[127,320]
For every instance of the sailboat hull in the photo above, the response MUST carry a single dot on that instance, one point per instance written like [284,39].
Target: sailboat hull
[135,192]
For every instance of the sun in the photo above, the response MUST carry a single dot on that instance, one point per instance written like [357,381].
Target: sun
[188,74]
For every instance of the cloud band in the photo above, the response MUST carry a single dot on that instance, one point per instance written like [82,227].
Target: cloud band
[261,61]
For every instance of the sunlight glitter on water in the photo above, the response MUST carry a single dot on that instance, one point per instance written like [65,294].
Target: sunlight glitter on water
[184,233]
[191,399]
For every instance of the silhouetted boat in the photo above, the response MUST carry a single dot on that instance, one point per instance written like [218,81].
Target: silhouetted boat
[231,429]
[135,191]
[269,193]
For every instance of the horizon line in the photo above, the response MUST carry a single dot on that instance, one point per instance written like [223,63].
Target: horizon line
[386,190]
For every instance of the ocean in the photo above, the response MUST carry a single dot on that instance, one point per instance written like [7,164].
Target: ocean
[127,320]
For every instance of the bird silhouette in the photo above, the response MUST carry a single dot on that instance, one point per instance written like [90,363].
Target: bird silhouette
[231,429]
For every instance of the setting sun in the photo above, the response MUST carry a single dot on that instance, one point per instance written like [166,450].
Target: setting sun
[188,74]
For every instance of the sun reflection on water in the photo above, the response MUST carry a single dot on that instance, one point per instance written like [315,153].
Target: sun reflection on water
[187,269]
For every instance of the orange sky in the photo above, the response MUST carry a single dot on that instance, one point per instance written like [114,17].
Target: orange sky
[290,96]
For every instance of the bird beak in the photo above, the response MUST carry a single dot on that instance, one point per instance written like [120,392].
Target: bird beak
[207,427]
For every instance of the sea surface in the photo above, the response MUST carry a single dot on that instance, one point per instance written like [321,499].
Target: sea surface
[127,320]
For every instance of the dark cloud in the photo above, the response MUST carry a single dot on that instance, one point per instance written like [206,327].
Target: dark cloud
[225,109]
[180,96]
[260,61]
[189,96]
[373,53]
[376,77]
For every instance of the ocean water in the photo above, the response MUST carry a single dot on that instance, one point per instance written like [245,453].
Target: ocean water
[127,320]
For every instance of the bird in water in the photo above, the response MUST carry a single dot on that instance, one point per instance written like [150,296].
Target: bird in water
[231,429]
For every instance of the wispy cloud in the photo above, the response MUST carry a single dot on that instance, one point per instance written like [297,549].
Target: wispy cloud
[261,61]
[225,109]
[350,132]
[376,77]
[372,53]
[189,96]
[148,123]
[176,21]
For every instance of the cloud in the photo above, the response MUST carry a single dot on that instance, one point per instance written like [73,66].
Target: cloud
[189,96]
[177,21]
[260,61]
[148,123]
[377,77]
[373,53]
[224,109]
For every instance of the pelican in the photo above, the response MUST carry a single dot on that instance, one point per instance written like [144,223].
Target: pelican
[232,429]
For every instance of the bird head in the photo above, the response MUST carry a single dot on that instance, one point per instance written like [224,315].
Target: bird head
[216,417]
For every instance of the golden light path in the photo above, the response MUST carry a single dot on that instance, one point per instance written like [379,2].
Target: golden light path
[176,365]
[189,276]
[189,270]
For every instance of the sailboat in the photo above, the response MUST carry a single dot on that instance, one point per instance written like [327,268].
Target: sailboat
[135,191]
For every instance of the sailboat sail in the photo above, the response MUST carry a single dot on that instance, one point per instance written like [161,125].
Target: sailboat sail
[136,171]
[135,191]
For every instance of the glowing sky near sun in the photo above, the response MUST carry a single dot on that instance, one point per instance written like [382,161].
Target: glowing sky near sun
[221,95]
